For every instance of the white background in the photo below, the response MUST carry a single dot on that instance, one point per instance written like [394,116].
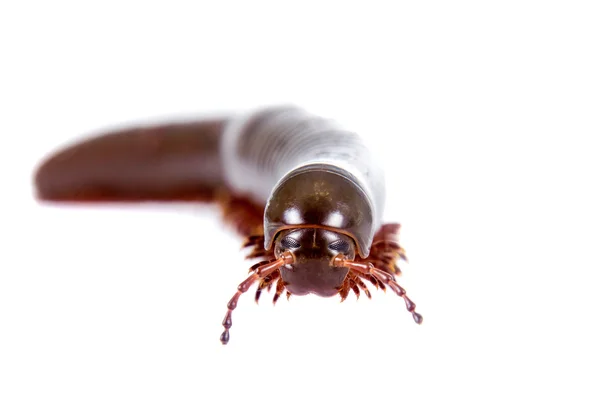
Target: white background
[486,118]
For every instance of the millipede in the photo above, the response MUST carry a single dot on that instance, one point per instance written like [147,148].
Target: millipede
[305,193]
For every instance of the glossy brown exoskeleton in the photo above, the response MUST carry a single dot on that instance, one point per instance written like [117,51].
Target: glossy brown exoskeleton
[306,193]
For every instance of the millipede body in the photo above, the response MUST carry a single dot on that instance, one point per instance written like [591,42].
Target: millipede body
[306,194]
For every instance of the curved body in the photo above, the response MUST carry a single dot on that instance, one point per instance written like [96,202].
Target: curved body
[306,192]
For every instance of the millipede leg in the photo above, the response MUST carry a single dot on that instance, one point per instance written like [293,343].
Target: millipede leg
[265,283]
[354,287]
[385,250]
[255,244]
[253,240]
[278,290]
[242,214]
[364,287]
[344,290]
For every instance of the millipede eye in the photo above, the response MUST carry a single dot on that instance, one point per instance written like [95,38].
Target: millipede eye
[289,243]
[340,245]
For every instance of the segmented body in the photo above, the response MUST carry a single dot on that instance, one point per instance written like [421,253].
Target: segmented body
[273,171]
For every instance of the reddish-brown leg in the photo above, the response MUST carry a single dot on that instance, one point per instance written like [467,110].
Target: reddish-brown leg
[362,286]
[255,244]
[385,250]
[279,290]
[253,240]
[266,283]
[257,250]
[260,272]
[344,290]
[354,287]
[354,282]
[376,282]
[243,215]
[385,277]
